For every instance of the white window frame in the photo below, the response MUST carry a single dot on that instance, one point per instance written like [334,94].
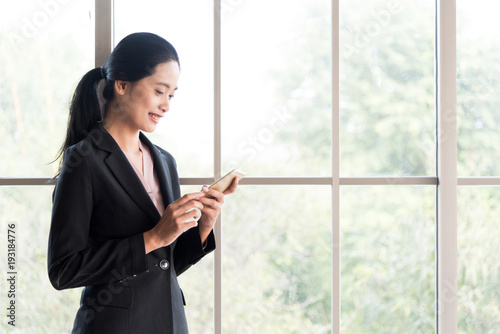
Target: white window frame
[446,179]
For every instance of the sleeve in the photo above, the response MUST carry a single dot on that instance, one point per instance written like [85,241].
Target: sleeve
[72,260]
[189,250]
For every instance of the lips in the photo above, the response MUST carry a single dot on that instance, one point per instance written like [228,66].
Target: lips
[155,117]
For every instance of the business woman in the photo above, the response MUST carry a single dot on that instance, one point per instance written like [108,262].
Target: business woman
[120,227]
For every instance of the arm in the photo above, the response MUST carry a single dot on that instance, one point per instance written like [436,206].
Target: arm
[73,259]
[188,249]
[197,242]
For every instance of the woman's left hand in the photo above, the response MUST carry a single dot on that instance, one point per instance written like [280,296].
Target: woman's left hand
[212,208]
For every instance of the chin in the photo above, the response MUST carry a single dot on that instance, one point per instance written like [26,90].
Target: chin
[148,129]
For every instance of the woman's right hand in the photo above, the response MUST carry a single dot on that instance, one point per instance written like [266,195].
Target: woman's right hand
[173,222]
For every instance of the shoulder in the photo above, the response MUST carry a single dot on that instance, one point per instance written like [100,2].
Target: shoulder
[75,168]
[89,152]
[83,146]
[77,153]
[96,140]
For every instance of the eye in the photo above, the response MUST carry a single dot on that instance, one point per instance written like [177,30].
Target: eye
[170,97]
[159,92]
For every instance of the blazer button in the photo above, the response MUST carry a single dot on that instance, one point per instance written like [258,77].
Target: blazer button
[164,264]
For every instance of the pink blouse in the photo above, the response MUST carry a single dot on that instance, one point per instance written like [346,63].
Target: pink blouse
[149,179]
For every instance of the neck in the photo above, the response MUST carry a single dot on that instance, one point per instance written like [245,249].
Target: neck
[126,138]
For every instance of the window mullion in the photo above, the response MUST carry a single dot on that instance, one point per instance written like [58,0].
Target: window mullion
[104,28]
[335,167]
[447,168]
[217,166]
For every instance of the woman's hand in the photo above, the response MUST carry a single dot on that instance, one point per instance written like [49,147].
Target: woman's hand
[212,208]
[173,221]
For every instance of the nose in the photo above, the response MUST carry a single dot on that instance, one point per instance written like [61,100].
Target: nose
[165,106]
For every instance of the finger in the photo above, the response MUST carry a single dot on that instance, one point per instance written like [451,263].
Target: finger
[188,219]
[232,187]
[189,197]
[194,203]
[189,211]
[186,199]
[211,203]
[194,214]
[210,214]
[189,224]
[212,193]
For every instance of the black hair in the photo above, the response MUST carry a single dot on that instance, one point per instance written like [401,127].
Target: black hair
[134,58]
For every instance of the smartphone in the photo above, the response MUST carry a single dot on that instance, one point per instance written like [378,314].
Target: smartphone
[224,182]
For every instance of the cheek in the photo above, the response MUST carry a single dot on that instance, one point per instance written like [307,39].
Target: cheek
[138,96]
[143,100]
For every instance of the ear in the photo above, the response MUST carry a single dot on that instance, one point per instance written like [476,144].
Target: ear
[121,86]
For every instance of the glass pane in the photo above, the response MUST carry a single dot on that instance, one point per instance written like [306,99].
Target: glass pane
[187,130]
[478,101]
[478,260]
[276,87]
[45,49]
[197,285]
[387,116]
[388,259]
[276,257]
[39,308]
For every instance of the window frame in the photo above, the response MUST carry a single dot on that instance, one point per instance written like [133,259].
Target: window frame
[446,179]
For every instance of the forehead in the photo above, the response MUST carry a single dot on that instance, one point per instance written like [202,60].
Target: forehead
[166,73]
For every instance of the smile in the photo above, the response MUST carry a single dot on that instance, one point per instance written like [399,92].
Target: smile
[155,117]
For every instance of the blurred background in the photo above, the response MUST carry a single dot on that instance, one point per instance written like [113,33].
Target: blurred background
[276,112]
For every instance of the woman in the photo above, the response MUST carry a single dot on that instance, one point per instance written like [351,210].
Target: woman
[119,225]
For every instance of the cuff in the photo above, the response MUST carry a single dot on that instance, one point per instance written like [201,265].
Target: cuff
[139,262]
[209,244]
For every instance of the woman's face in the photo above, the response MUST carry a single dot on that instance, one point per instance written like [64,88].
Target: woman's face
[145,102]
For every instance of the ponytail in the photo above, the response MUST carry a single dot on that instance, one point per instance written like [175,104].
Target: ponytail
[85,110]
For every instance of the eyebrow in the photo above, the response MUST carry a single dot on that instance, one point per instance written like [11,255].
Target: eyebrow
[165,84]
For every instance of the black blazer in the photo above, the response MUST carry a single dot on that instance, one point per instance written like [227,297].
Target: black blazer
[100,210]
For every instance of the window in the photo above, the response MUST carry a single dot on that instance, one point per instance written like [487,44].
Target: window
[276,87]
[388,271]
[276,272]
[37,82]
[367,131]
[188,132]
[387,109]
[478,39]
[478,272]
[45,48]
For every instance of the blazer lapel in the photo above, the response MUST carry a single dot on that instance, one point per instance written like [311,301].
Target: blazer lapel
[123,171]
